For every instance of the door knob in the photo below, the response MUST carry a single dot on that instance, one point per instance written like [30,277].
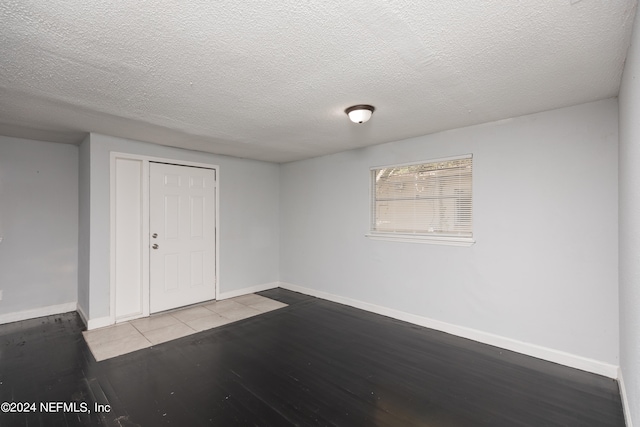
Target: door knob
[155,246]
[154,235]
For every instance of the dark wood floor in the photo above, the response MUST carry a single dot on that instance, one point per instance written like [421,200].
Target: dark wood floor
[314,363]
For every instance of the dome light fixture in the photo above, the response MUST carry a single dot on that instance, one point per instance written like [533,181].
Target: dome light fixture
[360,113]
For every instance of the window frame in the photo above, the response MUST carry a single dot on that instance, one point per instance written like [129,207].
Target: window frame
[429,238]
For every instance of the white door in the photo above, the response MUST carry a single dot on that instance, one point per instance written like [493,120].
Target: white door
[182,236]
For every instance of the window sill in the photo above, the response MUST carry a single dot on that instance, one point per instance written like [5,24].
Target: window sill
[421,238]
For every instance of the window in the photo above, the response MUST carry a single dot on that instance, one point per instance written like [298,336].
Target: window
[424,201]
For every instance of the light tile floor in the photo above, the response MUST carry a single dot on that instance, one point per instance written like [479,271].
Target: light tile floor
[127,337]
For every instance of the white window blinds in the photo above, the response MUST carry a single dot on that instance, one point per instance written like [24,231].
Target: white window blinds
[428,198]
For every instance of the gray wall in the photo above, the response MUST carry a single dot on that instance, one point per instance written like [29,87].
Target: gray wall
[84,231]
[249,216]
[39,223]
[544,268]
[629,182]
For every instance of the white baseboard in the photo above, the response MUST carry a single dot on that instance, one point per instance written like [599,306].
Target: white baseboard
[249,290]
[100,322]
[528,349]
[625,400]
[38,312]
[82,314]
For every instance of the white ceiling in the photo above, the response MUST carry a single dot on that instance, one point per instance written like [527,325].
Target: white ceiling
[271,80]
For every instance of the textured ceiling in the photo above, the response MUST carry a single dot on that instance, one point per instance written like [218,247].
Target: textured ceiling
[271,80]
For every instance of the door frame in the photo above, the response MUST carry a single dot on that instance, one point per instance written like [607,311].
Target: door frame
[144,258]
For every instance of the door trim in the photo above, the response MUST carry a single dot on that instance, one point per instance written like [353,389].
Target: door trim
[144,237]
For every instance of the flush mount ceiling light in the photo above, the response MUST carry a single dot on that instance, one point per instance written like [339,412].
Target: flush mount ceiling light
[359,113]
